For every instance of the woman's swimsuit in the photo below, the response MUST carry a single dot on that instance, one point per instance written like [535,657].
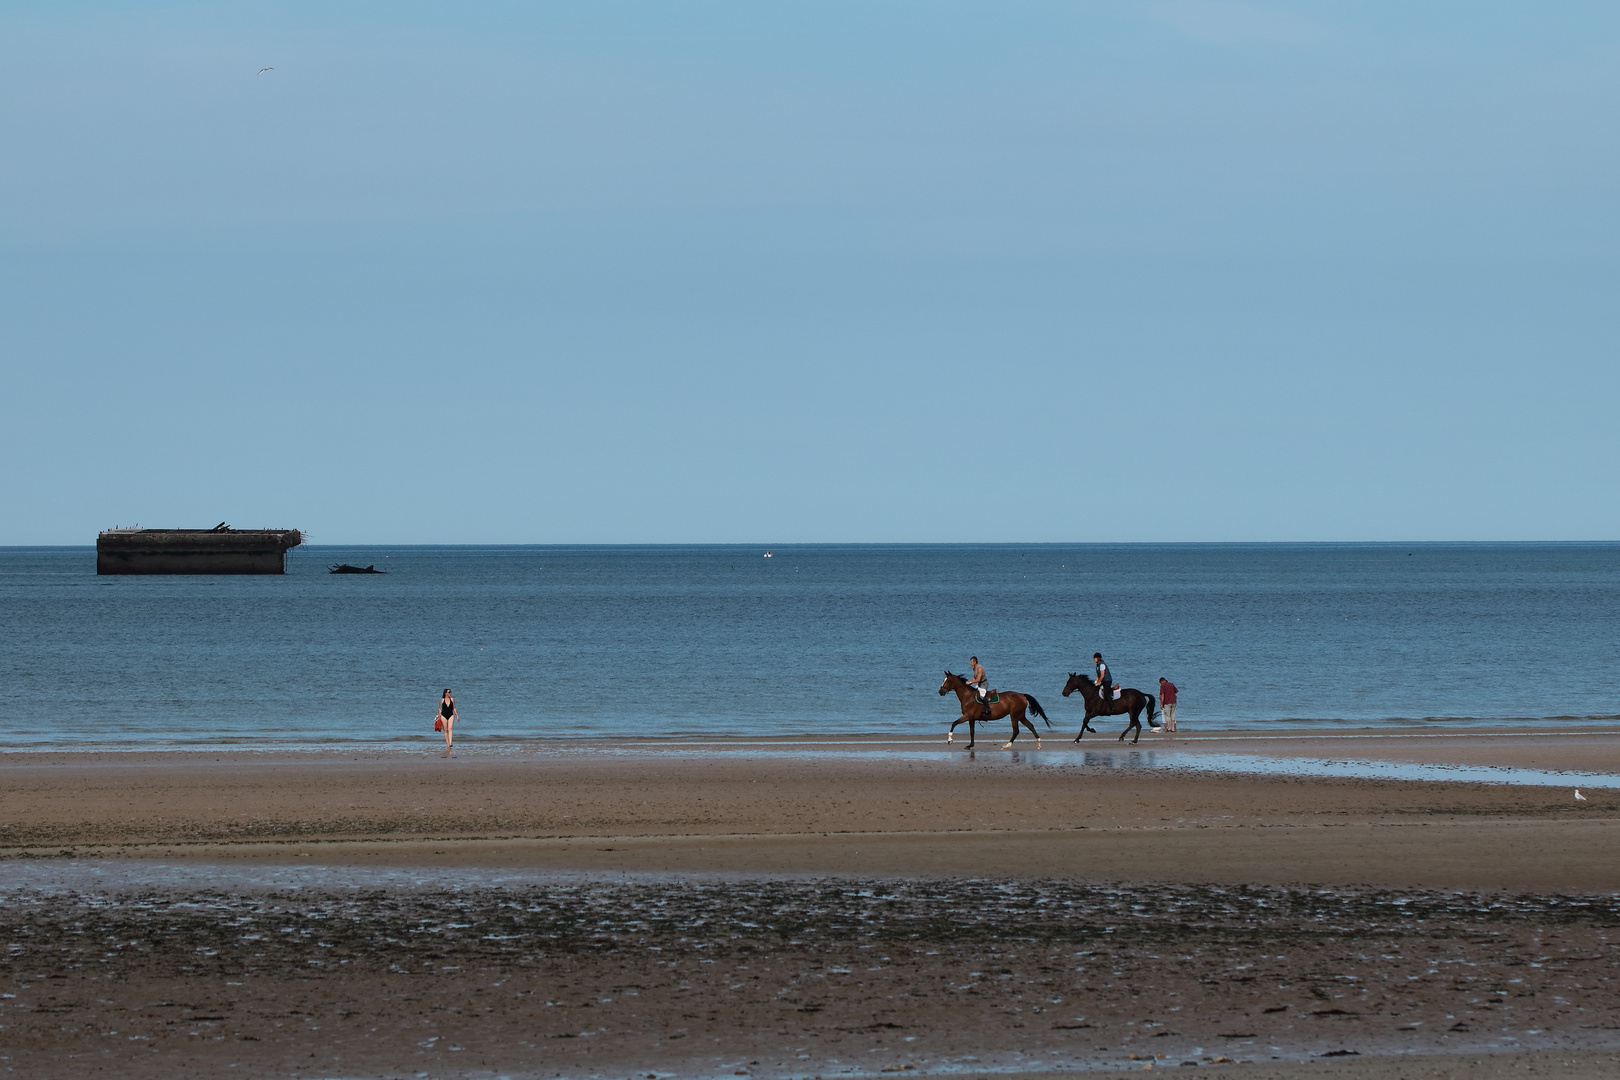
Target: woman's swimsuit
[447,709]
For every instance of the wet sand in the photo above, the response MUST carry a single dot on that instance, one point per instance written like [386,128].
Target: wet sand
[1575,750]
[846,807]
[775,910]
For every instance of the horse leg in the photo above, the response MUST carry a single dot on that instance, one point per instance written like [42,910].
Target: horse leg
[1021,718]
[950,735]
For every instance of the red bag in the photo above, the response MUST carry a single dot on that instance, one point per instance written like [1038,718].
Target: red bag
[438,723]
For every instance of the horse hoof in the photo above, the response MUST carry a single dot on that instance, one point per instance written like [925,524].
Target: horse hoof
[1037,744]
[1006,746]
[949,738]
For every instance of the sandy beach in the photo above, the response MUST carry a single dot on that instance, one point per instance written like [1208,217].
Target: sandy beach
[817,907]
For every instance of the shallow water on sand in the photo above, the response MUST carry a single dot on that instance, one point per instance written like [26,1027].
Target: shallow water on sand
[1127,758]
[1349,768]
[1058,754]
[836,639]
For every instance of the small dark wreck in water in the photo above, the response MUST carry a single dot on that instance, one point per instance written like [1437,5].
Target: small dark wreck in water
[220,550]
[346,568]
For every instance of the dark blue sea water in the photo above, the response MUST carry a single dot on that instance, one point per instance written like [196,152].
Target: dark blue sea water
[551,641]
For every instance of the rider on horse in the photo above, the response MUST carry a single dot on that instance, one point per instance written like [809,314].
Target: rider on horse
[1104,681]
[980,682]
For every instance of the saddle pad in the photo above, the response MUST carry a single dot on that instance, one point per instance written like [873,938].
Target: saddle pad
[993,699]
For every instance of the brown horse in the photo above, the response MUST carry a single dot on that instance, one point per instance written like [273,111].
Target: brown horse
[1129,701]
[975,711]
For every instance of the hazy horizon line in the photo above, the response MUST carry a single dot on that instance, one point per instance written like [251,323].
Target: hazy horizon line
[785,544]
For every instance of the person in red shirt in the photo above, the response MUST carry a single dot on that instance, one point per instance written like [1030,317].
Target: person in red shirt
[1167,702]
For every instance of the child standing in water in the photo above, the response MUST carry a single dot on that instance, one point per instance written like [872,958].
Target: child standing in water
[446,717]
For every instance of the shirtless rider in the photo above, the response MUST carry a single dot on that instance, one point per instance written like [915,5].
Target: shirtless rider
[980,681]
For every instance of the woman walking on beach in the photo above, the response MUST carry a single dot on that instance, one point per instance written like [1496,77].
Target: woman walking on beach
[446,718]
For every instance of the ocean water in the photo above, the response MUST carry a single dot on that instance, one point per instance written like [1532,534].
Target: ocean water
[717,640]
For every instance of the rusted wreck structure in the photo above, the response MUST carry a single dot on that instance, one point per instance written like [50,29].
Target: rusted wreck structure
[220,550]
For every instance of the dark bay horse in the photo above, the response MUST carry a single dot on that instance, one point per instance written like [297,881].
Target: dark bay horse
[1129,701]
[974,711]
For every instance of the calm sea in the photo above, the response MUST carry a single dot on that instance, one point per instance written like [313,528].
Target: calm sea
[601,641]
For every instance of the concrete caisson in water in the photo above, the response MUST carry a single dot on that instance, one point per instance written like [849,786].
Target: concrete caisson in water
[219,550]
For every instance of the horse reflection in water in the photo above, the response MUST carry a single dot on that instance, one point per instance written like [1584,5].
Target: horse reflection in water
[1129,701]
[1011,704]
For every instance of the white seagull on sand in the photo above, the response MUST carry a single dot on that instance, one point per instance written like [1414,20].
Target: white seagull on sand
[1578,796]
[263,70]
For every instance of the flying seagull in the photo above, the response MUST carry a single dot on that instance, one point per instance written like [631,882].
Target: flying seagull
[1578,796]
[263,70]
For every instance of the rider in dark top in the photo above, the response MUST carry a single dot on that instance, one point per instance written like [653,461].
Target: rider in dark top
[1104,681]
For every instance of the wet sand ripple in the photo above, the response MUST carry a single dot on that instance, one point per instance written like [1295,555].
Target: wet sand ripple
[779,977]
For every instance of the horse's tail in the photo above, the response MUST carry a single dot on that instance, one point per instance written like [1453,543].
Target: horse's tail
[1153,709]
[1035,707]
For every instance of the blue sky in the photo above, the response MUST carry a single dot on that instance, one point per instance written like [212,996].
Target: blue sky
[866,271]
